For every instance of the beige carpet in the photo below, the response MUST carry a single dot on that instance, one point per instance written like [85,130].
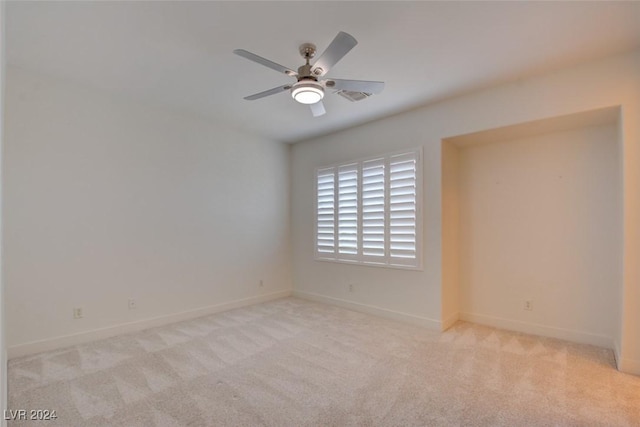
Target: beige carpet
[296,363]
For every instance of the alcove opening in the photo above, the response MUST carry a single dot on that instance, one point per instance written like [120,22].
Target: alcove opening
[532,227]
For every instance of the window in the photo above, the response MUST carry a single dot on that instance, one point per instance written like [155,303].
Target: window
[368,211]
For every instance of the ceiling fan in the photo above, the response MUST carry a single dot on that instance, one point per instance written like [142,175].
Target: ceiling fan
[310,87]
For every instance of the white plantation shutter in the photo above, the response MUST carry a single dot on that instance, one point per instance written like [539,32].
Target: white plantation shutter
[348,210]
[402,209]
[373,209]
[369,211]
[326,212]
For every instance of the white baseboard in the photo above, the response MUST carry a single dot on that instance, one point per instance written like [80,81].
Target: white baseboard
[537,329]
[450,320]
[628,366]
[617,353]
[124,328]
[370,309]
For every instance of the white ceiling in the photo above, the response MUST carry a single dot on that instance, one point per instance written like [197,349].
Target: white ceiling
[179,54]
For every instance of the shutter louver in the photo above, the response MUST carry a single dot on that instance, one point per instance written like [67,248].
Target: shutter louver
[373,209]
[402,209]
[348,210]
[325,221]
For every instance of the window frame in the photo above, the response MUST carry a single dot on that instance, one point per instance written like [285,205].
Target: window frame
[368,260]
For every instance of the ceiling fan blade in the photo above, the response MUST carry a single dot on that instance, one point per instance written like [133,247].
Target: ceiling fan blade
[260,60]
[339,47]
[317,109]
[267,92]
[355,85]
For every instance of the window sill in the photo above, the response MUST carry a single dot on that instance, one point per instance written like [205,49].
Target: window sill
[370,264]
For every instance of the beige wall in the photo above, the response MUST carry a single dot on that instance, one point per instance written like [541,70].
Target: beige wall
[540,221]
[107,200]
[629,355]
[450,235]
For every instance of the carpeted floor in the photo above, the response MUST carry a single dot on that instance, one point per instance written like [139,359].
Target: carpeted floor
[293,362]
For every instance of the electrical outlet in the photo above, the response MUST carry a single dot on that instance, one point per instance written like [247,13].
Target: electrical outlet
[77,312]
[261,283]
[350,287]
[528,305]
[132,304]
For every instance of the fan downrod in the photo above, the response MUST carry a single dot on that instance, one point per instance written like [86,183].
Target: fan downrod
[308,51]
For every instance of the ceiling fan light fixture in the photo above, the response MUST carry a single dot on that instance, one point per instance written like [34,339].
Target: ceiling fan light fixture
[308,92]
[310,83]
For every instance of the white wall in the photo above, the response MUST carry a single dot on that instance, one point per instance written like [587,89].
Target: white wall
[540,220]
[417,295]
[107,200]
[411,295]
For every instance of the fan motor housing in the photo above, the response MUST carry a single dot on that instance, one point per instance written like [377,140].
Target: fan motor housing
[304,72]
